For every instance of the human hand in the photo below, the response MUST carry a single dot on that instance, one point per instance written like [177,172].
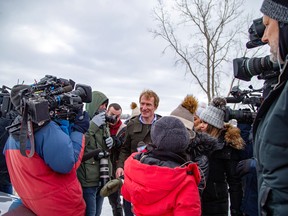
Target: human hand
[81,123]
[101,154]
[111,187]
[245,166]
[109,142]
[99,119]
[119,172]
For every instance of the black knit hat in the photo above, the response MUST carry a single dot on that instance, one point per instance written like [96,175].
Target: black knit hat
[16,95]
[276,9]
[170,134]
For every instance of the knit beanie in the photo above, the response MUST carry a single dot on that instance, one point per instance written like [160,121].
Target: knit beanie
[276,9]
[170,134]
[186,110]
[15,95]
[201,107]
[135,109]
[215,112]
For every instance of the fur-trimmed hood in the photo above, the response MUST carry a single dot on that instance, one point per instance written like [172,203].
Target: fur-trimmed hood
[233,137]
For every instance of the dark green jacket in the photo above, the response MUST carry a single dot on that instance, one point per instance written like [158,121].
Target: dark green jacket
[136,132]
[88,172]
[270,130]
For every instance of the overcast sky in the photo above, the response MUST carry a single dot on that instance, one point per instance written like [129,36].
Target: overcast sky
[104,44]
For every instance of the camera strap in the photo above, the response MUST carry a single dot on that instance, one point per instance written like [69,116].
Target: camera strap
[26,130]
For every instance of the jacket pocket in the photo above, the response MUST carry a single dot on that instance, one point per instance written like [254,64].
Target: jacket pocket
[264,194]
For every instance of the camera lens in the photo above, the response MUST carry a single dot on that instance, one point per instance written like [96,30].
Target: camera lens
[104,171]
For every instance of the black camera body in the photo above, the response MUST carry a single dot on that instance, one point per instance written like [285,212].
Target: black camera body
[54,98]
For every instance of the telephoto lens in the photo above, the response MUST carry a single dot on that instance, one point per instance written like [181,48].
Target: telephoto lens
[104,171]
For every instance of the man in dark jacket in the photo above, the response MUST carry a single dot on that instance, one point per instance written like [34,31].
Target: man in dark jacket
[138,129]
[271,123]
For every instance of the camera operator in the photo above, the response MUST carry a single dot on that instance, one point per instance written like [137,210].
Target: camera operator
[46,181]
[271,123]
[97,138]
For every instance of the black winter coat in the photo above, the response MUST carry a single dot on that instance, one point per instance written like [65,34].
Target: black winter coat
[271,150]
[222,170]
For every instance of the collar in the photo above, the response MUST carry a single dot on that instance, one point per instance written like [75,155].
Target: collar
[141,119]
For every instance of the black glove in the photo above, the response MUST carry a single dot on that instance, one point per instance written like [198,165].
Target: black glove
[245,166]
[117,141]
[81,123]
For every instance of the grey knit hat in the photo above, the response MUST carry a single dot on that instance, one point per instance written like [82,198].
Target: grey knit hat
[214,113]
[169,134]
[276,9]
[186,110]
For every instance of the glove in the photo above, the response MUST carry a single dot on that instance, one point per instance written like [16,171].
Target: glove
[81,123]
[101,154]
[117,141]
[111,187]
[109,142]
[99,119]
[245,166]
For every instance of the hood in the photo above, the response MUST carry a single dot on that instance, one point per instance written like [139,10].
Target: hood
[146,183]
[233,137]
[98,98]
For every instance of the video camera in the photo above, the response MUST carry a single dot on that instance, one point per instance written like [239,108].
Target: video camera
[245,97]
[52,98]
[245,68]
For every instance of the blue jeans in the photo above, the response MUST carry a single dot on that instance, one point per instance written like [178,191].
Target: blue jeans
[93,200]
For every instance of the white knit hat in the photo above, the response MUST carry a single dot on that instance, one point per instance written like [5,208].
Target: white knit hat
[135,109]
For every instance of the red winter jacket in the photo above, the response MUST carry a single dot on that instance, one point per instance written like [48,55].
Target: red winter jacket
[47,182]
[155,190]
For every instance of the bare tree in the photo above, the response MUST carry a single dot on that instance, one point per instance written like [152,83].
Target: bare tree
[210,27]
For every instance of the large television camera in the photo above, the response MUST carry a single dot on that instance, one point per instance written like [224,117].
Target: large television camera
[54,98]
[245,68]
[247,97]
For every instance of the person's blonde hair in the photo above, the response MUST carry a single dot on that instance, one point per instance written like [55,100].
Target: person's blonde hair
[149,94]
[213,131]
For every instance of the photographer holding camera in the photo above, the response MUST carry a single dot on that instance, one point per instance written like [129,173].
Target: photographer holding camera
[46,180]
[94,172]
[270,125]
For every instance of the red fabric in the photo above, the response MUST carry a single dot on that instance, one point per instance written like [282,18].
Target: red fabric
[114,128]
[155,190]
[32,176]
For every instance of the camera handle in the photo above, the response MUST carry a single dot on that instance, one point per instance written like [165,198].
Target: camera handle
[26,129]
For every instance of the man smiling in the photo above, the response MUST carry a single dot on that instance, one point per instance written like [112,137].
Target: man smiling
[138,130]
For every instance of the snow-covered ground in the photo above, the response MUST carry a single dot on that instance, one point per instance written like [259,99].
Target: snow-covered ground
[106,208]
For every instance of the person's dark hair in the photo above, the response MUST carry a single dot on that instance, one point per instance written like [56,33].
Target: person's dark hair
[116,106]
